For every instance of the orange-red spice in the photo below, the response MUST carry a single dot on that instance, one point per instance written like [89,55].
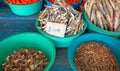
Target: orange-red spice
[22,2]
[67,1]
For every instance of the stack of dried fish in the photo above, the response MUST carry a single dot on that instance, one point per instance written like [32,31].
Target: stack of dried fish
[104,14]
[62,13]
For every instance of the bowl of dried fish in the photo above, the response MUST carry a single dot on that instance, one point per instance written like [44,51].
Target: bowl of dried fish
[26,52]
[75,4]
[61,24]
[60,42]
[91,52]
[103,17]
[25,8]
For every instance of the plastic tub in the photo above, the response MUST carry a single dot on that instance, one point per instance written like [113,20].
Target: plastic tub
[75,6]
[112,43]
[93,28]
[27,40]
[26,10]
[59,41]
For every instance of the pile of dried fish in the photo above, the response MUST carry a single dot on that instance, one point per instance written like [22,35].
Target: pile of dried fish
[94,56]
[104,14]
[25,60]
[62,13]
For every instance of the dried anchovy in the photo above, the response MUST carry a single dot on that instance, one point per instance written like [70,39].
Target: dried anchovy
[63,13]
[107,15]
[94,56]
[25,60]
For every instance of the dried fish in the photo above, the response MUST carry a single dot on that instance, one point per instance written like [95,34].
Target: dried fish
[98,13]
[44,13]
[109,20]
[109,8]
[112,3]
[116,18]
[62,13]
[103,22]
[93,17]
[100,6]
[81,25]
[88,7]
[104,13]
[25,60]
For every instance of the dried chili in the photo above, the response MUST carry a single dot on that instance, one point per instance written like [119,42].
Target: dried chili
[68,1]
[22,2]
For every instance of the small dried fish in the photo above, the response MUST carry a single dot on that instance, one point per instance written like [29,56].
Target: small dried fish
[105,23]
[71,21]
[100,19]
[109,8]
[77,14]
[110,25]
[93,17]
[62,13]
[98,13]
[105,7]
[100,6]
[81,25]
[44,13]
[88,7]
[116,18]
[112,3]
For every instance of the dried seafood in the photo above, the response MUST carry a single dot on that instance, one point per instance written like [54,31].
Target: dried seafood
[104,14]
[25,60]
[62,13]
[94,56]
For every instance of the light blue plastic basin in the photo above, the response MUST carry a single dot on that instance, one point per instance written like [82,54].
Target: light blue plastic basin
[26,10]
[112,43]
